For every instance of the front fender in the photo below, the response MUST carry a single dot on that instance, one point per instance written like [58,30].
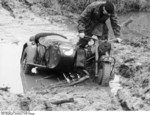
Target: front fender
[107,59]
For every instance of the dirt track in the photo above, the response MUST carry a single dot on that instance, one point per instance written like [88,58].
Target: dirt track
[87,96]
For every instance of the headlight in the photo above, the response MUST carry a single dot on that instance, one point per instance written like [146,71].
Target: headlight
[68,52]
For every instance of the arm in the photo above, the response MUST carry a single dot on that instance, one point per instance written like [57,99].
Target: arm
[115,25]
[84,18]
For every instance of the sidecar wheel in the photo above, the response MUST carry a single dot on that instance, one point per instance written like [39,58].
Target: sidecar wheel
[104,74]
[26,67]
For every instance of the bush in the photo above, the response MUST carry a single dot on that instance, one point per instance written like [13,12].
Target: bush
[77,6]
[122,6]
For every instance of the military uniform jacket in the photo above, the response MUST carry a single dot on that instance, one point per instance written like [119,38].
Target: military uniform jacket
[93,16]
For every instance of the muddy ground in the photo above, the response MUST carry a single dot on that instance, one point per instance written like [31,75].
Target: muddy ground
[132,68]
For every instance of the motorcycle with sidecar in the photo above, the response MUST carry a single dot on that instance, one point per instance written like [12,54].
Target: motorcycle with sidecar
[55,52]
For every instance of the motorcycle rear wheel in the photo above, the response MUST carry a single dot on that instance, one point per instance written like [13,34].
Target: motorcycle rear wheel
[104,74]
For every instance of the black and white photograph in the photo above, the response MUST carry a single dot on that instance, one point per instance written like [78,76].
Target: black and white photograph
[74,55]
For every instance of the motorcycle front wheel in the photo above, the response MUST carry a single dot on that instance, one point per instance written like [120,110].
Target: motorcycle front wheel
[104,74]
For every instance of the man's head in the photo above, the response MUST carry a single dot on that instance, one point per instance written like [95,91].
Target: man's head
[108,8]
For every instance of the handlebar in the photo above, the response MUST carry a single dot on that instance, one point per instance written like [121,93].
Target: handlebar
[96,39]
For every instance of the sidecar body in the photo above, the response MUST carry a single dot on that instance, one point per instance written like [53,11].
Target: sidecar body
[48,50]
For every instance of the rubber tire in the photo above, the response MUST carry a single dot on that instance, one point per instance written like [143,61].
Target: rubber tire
[27,68]
[104,74]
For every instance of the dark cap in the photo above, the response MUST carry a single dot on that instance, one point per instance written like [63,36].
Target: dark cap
[109,7]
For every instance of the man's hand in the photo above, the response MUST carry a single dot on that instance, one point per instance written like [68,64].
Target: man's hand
[81,35]
[118,40]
